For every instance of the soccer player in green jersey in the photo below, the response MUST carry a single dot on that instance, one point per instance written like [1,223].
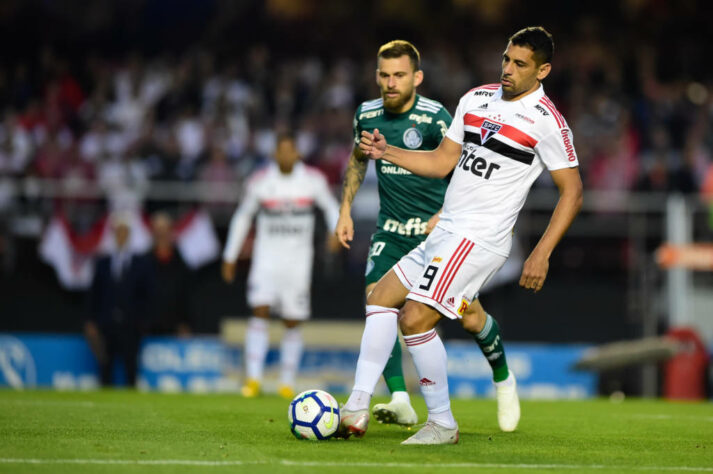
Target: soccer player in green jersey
[409,207]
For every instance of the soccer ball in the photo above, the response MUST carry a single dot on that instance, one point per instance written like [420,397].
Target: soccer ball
[313,414]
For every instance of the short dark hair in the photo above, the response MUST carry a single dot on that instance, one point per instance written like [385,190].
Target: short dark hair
[538,39]
[398,48]
[285,135]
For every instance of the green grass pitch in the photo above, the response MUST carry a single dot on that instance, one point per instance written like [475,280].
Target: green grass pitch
[129,432]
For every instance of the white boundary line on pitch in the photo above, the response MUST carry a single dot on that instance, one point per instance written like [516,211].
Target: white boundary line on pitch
[287,462]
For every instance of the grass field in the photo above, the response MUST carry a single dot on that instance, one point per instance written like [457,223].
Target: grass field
[129,432]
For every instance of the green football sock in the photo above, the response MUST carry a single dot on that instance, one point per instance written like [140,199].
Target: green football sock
[393,372]
[491,344]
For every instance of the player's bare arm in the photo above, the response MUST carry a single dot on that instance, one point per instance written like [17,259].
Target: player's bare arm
[354,176]
[432,164]
[227,271]
[534,270]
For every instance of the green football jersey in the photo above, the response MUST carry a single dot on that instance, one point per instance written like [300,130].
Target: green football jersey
[407,201]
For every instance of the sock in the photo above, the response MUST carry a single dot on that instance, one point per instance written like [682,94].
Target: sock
[491,344]
[429,357]
[376,344]
[394,372]
[401,396]
[256,345]
[290,355]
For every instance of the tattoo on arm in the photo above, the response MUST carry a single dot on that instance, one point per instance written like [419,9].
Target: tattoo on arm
[354,176]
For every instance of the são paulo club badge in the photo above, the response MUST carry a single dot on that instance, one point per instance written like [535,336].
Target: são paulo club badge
[413,138]
[488,129]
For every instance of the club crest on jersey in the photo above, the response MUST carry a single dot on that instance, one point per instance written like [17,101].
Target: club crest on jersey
[413,138]
[488,129]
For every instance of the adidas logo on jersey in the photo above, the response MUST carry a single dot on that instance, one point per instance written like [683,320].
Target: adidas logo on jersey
[450,301]
[424,381]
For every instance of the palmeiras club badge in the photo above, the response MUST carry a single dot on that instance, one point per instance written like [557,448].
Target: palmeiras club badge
[488,129]
[413,138]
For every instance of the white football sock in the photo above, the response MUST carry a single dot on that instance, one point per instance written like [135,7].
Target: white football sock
[377,341]
[401,397]
[256,345]
[429,357]
[290,355]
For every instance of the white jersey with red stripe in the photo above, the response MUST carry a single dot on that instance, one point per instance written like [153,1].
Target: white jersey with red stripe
[284,204]
[506,145]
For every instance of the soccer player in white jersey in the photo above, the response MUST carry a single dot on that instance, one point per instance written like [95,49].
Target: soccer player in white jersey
[284,196]
[502,137]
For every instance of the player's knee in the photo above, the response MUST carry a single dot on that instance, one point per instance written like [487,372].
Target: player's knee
[412,321]
[291,323]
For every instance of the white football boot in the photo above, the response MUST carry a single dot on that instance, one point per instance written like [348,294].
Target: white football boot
[353,423]
[508,403]
[398,412]
[433,433]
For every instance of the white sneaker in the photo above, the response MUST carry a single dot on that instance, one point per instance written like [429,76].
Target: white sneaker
[401,413]
[433,433]
[508,403]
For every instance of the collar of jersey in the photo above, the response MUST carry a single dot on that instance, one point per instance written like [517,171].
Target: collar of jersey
[529,100]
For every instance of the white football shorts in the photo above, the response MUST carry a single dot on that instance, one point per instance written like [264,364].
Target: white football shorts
[285,290]
[446,271]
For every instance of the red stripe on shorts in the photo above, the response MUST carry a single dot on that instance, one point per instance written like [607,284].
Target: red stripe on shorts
[454,271]
[442,278]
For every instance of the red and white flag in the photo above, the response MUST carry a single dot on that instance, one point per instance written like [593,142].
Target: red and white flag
[72,255]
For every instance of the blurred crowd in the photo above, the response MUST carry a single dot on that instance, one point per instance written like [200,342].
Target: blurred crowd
[135,118]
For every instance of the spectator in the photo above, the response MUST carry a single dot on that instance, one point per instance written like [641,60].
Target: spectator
[170,305]
[118,305]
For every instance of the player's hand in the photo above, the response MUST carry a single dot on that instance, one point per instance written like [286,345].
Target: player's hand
[228,271]
[345,230]
[373,145]
[431,224]
[534,272]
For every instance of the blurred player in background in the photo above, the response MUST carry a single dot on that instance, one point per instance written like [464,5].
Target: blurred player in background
[284,196]
[409,208]
[502,137]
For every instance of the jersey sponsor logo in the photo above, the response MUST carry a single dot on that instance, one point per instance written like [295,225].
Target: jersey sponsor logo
[422,118]
[542,110]
[484,93]
[413,226]
[476,164]
[412,138]
[285,229]
[388,168]
[371,114]
[483,106]
[568,148]
[525,118]
[488,129]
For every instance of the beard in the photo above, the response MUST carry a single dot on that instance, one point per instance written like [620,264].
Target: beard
[396,103]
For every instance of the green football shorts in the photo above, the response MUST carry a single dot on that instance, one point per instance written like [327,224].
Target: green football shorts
[384,251]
